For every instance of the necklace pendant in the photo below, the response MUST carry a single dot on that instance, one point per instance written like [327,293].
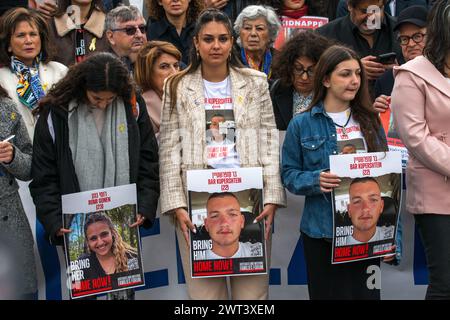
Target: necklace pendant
[344,132]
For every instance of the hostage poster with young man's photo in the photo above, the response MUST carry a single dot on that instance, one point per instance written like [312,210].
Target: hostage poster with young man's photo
[365,205]
[223,206]
[103,251]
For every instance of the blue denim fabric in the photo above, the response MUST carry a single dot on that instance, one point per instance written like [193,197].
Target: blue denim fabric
[310,140]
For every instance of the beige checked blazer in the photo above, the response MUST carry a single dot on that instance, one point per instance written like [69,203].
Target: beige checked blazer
[183,135]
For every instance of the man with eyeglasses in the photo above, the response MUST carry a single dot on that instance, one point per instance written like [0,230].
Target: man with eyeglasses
[411,27]
[126,32]
[369,31]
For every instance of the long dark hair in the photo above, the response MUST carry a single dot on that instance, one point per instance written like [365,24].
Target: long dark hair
[437,44]
[100,72]
[361,105]
[205,17]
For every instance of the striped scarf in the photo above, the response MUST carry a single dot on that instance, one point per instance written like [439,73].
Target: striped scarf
[29,88]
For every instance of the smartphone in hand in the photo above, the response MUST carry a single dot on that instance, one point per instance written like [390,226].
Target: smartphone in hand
[387,58]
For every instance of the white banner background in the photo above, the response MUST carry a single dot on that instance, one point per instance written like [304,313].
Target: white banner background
[162,263]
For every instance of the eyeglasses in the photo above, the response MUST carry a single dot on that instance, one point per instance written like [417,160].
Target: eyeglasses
[416,37]
[131,30]
[299,71]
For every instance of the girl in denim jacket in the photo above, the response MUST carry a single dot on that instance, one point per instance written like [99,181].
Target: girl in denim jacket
[340,115]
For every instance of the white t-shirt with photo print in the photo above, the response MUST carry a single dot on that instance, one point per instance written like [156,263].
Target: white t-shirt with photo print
[352,135]
[218,98]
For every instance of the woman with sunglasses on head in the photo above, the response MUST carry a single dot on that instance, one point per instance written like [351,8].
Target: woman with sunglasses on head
[215,74]
[421,97]
[77,30]
[292,93]
[340,111]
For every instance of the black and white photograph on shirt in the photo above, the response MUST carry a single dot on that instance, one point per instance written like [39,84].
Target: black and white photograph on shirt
[351,146]
[220,139]
[348,131]
[103,250]
[365,205]
[223,205]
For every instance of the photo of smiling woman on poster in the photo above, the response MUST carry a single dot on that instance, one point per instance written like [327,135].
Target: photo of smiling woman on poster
[105,248]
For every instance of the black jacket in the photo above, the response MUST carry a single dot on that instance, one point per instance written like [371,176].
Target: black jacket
[163,30]
[384,84]
[5,5]
[54,175]
[400,5]
[344,31]
[282,104]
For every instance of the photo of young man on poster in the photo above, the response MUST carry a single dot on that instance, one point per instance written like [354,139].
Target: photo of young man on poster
[224,223]
[364,209]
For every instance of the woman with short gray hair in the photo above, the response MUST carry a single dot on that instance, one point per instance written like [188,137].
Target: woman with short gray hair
[257,28]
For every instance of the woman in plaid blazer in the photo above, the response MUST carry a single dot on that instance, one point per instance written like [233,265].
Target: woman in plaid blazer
[183,144]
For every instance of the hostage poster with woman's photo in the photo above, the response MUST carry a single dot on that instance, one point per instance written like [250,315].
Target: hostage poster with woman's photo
[365,205]
[103,253]
[223,205]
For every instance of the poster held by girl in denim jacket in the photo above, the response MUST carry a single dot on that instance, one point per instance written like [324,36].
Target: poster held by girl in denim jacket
[365,205]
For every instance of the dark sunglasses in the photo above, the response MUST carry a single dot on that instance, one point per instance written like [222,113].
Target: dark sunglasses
[131,30]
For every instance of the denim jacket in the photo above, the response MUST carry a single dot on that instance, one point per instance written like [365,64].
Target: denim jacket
[310,140]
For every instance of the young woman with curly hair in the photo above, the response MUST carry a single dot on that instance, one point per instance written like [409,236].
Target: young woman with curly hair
[295,64]
[91,134]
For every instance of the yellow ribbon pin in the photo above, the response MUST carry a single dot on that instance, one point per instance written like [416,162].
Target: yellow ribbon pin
[240,99]
[44,86]
[13,116]
[92,45]
[121,128]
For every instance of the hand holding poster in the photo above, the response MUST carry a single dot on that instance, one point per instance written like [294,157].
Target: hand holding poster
[102,251]
[223,204]
[365,205]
